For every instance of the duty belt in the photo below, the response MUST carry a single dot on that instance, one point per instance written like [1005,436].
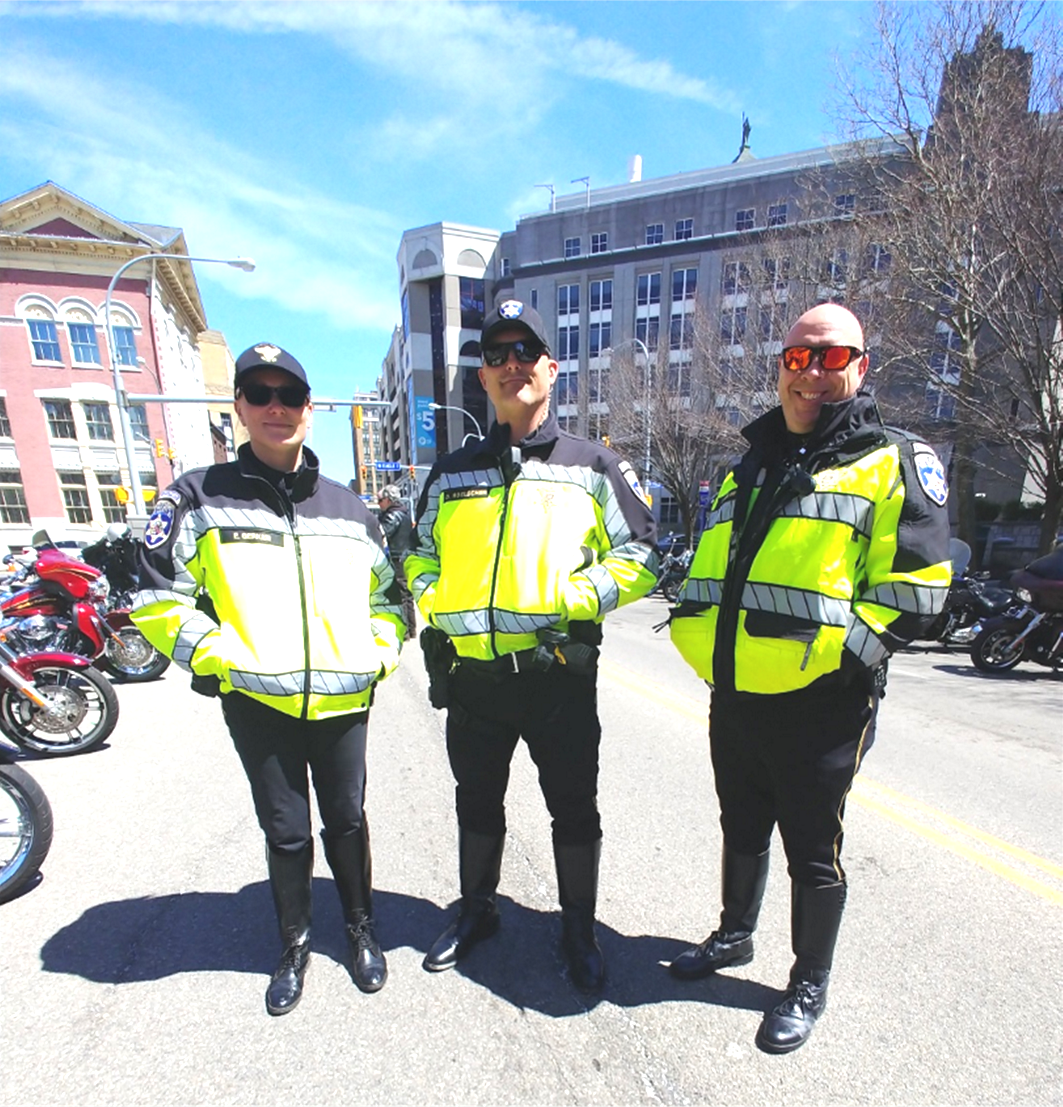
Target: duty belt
[523,661]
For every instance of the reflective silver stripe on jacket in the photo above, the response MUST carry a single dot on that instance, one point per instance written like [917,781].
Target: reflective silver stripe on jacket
[421,582]
[458,624]
[156,595]
[701,590]
[833,507]
[798,602]
[193,630]
[604,585]
[862,641]
[722,514]
[920,599]
[291,684]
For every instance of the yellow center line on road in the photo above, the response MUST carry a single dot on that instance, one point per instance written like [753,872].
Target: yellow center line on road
[883,801]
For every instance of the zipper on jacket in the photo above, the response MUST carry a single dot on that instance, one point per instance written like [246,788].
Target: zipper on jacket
[507,484]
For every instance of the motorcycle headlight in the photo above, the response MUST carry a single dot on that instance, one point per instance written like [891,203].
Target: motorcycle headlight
[99,590]
[1024,595]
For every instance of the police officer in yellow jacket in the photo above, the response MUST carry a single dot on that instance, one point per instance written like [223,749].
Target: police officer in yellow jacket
[825,550]
[524,542]
[271,584]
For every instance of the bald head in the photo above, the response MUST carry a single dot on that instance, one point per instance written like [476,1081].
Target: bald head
[803,393]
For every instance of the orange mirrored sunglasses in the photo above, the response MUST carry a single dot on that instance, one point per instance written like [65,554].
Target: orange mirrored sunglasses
[832,358]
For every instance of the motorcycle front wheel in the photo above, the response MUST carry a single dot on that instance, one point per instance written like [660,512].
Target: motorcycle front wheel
[25,830]
[81,711]
[133,659]
[994,650]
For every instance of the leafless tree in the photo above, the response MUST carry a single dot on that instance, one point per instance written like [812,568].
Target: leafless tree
[957,110]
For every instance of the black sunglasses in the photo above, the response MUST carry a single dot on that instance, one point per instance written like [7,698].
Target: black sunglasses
[528,352]
[832,358]
[259,395]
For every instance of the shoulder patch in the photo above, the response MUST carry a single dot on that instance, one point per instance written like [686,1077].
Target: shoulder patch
[931,473]
[161,522]
[632,479]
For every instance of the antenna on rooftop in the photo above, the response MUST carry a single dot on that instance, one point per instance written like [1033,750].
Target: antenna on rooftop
[584,181]
[551,188]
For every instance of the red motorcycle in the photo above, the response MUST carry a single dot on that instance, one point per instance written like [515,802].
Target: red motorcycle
[52,702]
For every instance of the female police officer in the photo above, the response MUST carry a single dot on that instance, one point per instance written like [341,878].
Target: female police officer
[271,584]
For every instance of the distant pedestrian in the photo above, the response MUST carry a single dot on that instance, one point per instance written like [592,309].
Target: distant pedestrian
[270,583]
[397,526]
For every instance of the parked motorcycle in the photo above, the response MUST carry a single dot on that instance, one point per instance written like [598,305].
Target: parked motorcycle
[54,703]
[673,571]
[970,600]
[1031,630]
[25,827]
[128,655]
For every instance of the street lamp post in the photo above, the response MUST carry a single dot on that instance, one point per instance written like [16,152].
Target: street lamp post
[450,407]
[647,417]
[119,388]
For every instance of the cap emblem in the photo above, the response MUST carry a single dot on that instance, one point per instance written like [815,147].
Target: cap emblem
[511,309]
[268,353]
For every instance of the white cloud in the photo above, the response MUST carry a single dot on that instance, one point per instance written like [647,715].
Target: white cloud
[315,254]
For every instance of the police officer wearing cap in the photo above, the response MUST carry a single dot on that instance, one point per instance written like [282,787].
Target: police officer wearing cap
[524,542]
[825,550]
[271,584]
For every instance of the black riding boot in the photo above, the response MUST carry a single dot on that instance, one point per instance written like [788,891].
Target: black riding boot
[816,915]
[352,869]
[744,878]
[480,868]
[290,877]
[577,885]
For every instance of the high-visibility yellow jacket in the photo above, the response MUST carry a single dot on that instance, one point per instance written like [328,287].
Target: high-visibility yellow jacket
[281,589]
[514,539]
[820,556]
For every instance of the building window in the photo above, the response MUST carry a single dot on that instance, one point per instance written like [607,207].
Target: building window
[602,295]
[471,295]
[535,298]
[735,278]
[845,203]
[777,215]
[405,314]
[745,218]
[568,343]
[125,346]
[878,258]
[649,289]
[567,388]
[568,299]
[45,340]
[777,272]
[945,359]
[572,248]
[98,421]
[138,422]
[113,511]
[600,242]
[60,419]
[5,423]
[83,343]
[684,284]
[684,229]
[681,334]
[600,338]
[940,405]
[648,331]
[12,497]
[505,267]
[654,234]
[733,326]
[76,497]
[834,268]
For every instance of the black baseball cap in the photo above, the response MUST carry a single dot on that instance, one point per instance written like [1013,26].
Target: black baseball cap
[267,356]
[514,313]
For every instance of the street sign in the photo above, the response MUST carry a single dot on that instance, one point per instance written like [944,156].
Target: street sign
[388,466]
[703,492]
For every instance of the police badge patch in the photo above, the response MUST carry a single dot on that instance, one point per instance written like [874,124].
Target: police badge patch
[931,473]
[631,477]
[160,524]
[511,309]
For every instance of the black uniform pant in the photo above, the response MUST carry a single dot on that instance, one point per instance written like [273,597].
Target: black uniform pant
[790,759]
[277,751]
[556,713]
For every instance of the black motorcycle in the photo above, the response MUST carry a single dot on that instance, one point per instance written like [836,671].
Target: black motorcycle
[25,827]
[673,571]
[1032,629]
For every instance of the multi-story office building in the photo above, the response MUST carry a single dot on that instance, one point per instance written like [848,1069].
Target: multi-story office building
[62,465]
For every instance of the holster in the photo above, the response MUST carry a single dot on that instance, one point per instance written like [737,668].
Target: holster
[439,658]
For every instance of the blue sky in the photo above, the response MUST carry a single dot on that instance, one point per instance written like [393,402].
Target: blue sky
[310,136]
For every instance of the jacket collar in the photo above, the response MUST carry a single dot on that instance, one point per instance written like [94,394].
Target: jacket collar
[845,421]
[298,485]
[543,437]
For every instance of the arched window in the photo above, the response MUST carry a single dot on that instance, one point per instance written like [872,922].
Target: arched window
[39,315]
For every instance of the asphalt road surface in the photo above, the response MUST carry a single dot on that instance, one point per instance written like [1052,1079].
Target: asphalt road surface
[134,972]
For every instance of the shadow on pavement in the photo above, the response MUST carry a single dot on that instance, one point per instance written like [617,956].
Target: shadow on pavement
[134,940]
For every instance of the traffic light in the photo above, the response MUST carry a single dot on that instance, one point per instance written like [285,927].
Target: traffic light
[605,441]
[160,448]
[413,472]
[171,453]
[365,473]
